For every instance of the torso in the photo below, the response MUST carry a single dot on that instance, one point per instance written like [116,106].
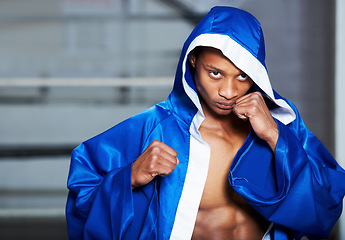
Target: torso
[223,214]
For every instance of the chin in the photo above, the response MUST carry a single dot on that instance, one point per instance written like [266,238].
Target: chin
[223,112]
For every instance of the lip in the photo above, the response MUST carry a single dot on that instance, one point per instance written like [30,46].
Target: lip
[225,106]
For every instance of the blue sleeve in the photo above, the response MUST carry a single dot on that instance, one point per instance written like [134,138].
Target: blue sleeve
[97,208]
[101,203]
[300,187]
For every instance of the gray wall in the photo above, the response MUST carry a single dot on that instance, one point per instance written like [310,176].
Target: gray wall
[300,57]
[46,39]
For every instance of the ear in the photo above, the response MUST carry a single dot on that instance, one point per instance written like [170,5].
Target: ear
[192,59]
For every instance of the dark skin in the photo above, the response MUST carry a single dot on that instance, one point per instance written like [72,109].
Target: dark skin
[230,114]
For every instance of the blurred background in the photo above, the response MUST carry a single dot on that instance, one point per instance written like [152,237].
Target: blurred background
[70,69]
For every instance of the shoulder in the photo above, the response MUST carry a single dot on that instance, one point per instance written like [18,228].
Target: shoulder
[125,138]
[137,126]
[290,103]
[156,113]
[297,125]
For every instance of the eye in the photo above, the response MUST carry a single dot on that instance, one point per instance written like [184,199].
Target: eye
[242,76]
[215,74]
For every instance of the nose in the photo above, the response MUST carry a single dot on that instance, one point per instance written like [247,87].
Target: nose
[227,89]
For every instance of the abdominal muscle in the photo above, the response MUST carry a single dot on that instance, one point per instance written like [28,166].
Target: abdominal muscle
[229,221]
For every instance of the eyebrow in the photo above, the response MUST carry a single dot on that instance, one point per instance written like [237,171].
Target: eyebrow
[213,67]
[220,70]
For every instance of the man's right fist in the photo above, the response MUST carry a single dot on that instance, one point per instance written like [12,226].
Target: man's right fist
[157,159]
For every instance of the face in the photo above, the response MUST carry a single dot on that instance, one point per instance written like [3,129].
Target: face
[218,81]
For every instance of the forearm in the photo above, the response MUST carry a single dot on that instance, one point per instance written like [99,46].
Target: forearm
[273,139]
[299,187]
[112,199]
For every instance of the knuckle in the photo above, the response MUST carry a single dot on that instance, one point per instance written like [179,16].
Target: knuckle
[155,143]
[168,171]
[152,166]
[174,153]
[253,108]
[256,97]
[156,149]
[154,157]
[255,102]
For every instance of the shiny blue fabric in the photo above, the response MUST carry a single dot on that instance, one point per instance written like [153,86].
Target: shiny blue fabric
[299,188]
[101,204]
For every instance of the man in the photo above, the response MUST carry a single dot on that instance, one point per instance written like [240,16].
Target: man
[224,157]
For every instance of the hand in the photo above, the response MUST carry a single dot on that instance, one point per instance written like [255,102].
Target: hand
[252,107]
[157,159]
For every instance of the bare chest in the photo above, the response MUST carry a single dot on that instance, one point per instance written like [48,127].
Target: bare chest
[217,191]
[223,214]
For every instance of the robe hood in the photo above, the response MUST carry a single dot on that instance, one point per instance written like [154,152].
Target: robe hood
[238,35]
[299,188]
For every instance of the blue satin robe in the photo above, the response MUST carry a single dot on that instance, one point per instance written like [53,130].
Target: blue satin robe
[299,188]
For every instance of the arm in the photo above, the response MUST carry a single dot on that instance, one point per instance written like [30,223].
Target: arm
[304,185]
[158,159]
[252,107]
[102,203]
[310,182]
[90,209]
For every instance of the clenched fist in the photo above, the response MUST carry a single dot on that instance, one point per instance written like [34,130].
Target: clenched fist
[157,159]
[252,107]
